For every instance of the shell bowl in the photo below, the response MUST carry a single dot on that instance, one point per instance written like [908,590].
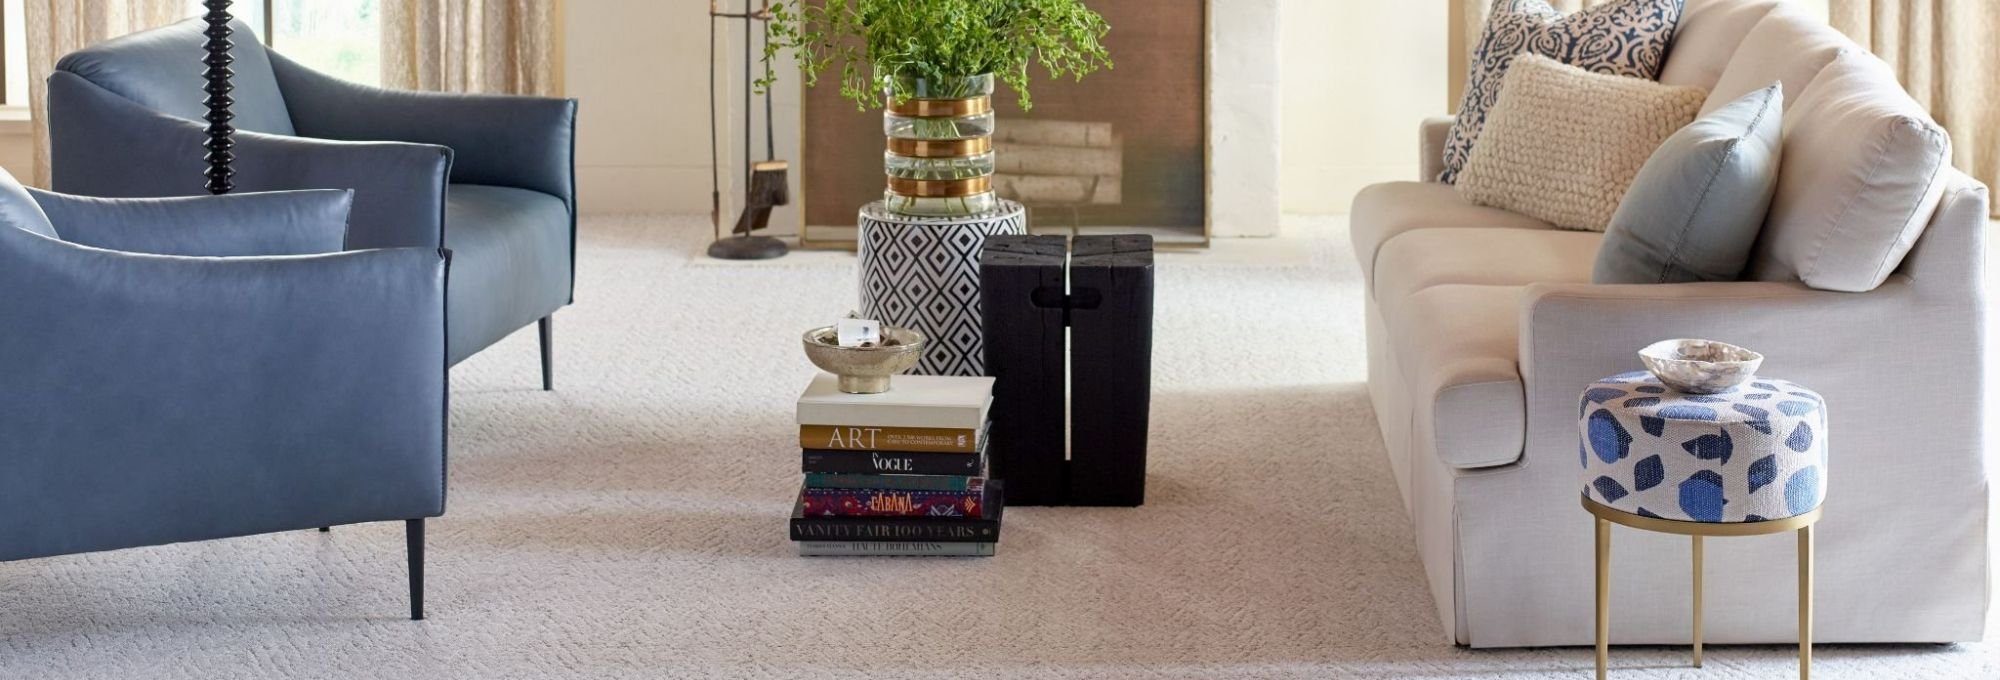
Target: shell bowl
[864,370]
[1700,366]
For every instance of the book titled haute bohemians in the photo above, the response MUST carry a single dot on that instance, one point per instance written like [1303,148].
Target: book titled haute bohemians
[894,549]
[984,529]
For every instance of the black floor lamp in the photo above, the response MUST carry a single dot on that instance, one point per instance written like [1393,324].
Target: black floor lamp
[220,142]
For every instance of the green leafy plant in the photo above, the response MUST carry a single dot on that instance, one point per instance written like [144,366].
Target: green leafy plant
[944,43]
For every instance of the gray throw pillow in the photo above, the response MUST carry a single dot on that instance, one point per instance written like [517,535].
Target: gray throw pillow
[1694,210]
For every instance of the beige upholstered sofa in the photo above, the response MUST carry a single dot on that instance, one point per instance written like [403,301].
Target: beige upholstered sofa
[1483,328]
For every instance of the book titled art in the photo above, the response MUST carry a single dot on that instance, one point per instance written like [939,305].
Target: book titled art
[906,439]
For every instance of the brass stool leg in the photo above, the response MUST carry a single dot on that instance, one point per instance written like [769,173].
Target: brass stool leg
[1697,601]
[1603,594]
[1805,601]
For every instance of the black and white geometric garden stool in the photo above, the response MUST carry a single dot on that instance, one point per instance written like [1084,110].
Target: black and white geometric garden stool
[922,273]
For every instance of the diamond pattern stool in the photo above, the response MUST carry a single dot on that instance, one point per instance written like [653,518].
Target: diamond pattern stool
[922,273]
[1745,462]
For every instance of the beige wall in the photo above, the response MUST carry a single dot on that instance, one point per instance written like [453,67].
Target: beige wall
[642,129]
[1358,77]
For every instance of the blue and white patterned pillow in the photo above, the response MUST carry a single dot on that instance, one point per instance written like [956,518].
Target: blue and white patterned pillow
[1621,38]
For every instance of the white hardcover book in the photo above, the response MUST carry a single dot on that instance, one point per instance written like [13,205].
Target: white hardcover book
[894,549]
[916,401]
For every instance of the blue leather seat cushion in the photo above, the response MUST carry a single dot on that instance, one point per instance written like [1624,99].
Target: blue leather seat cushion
[510,262]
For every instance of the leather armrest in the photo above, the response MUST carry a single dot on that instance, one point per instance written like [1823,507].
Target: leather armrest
[504,140]
[153,399]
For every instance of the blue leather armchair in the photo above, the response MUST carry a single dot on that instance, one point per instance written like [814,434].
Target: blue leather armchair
[185,369]
[489,177]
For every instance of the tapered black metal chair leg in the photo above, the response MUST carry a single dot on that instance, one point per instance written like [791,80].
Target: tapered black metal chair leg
[415,531]
[548,328]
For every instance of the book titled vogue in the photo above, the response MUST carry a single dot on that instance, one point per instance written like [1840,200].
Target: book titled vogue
[892,463]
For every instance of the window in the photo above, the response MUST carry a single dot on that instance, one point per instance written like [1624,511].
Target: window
[342,38]
[14,53]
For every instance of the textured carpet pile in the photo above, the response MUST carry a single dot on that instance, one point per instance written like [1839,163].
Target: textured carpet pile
[631,524]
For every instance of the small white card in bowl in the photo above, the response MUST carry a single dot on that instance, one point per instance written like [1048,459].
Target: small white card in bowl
[857,332]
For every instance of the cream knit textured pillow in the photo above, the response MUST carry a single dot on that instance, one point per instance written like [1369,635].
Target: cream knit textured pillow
[1562,144]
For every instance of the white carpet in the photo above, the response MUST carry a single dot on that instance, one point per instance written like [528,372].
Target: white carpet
[631,525]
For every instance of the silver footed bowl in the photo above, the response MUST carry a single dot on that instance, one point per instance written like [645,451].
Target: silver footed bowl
[1700,366]
[865,370]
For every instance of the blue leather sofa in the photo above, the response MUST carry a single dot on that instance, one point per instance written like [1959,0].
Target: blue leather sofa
[489,177]
[184,369]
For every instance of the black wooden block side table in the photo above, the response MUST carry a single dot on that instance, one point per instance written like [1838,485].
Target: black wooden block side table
[1097,291]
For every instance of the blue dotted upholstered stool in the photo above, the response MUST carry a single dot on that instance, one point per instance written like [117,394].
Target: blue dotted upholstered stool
[1744,462]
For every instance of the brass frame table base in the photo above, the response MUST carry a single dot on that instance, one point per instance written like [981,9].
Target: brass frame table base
[1606,515]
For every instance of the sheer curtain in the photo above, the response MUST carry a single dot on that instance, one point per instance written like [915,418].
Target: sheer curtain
[490,46]
[58,27]
[1945,53]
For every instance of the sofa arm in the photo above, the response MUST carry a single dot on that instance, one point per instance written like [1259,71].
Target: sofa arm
[105,145]
[231,225]
[154,399]
[1433,133]
[1593,330]
[506,140]
[1573,334]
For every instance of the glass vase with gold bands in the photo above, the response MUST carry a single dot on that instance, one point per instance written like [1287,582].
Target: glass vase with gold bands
[939,159]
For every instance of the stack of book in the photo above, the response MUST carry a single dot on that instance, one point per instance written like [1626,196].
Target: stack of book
[902,473]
